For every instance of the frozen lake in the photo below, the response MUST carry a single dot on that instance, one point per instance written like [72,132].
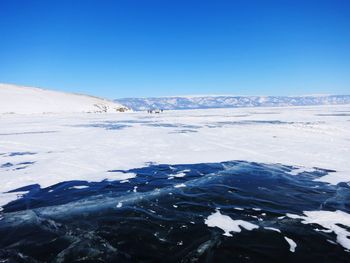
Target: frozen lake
[245,185]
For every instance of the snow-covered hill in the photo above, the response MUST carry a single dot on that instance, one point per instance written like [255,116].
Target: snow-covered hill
[26,100]
[205,102]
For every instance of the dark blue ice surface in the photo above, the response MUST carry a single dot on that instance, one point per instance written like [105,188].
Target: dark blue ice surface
[148,219]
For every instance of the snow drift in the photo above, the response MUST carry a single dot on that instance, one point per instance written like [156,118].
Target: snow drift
[27,100]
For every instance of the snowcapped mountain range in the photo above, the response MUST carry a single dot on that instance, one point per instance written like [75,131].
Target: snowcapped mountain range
[27,100]
[206,102]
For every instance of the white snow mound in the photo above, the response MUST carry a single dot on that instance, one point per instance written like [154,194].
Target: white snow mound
[29,100]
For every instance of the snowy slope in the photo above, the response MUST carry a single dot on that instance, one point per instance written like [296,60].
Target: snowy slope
[205,102]
[27,100]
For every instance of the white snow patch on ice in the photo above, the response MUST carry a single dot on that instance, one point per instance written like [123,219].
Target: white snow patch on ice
[179,185]
[227,224]
[292,244]
[273,229]
[181,174]
[79,187]
[124,181]
[329,220]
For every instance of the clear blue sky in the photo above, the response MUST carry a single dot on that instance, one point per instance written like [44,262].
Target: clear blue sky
[131,48]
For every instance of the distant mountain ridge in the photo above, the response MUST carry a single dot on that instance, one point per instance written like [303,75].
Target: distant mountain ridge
[206,102]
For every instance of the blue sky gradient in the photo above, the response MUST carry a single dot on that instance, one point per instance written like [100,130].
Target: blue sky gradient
[131,48]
